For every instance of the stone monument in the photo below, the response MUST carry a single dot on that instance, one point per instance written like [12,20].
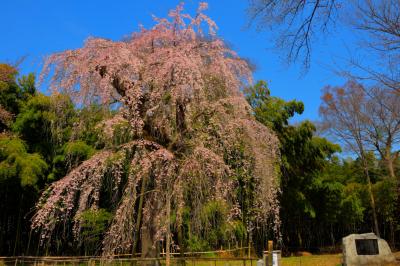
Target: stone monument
[366,249]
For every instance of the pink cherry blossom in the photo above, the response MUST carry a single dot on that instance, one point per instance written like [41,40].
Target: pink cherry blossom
[179,88]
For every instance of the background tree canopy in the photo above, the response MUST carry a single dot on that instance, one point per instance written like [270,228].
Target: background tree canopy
[160,141]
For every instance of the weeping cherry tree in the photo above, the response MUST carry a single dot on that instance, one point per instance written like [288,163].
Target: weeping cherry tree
[177,91]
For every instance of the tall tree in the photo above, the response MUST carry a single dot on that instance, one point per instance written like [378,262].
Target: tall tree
[378,112]
[178,89]
[13,94]
[343,112]
[382,119]
[304,157]
[21,176]
[22,173]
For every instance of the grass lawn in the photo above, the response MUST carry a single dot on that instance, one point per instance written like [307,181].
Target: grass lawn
[314,260]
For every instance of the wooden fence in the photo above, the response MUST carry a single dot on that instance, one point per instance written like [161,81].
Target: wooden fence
[92,261]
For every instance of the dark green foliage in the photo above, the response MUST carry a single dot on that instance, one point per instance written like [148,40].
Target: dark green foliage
[216,231]
[17,163]
[94,225]
[34,125]
[303,155]
[27,85]
[72,154]
[38,146]
[49,127]
[76,152]
[323,198]
[22,174]
[195,244]
[271,111]
[87,125]
[13,94]
[213,219]
[122,133]
[10,92]
[246,183]
[45,123]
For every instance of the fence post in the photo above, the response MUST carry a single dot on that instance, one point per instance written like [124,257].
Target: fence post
[270,249]
[265,258]
[276,258]
[168,240]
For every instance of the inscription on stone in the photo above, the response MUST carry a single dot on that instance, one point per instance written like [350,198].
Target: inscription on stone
[367,246]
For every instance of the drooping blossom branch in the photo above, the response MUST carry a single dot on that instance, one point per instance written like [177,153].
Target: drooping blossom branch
[179,88]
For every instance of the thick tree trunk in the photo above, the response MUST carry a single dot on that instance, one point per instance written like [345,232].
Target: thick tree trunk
[139,215]
[181,246]
[148,248]
[249,246]
[372,199]
[389,164]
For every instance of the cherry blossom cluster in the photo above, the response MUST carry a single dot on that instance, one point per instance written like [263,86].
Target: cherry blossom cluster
[179,88]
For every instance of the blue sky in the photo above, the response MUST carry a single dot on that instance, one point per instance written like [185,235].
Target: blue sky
[41,27]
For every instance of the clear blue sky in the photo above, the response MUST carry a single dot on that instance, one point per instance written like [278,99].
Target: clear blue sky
[41,27]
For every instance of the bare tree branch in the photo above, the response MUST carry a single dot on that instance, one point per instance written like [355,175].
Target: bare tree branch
[297,23]
[380,20]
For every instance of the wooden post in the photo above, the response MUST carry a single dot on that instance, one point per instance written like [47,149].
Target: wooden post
[269,253]
[265,258]
[249,246]
[168,240]
[270,246]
